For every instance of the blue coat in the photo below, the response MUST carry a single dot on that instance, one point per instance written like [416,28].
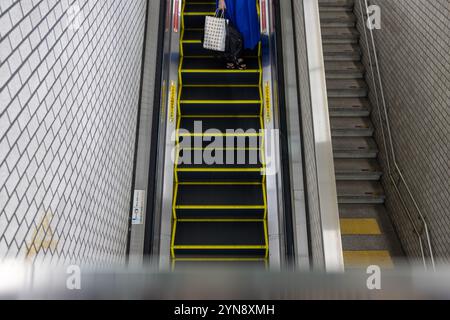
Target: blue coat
[244,16]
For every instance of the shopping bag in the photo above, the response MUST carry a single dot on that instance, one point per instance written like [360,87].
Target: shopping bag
[215,34]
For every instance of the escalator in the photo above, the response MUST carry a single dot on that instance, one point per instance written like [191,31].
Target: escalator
[367,234]
[220,201]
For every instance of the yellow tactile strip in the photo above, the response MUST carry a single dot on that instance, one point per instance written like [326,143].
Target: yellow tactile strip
[360,227]
[361,259]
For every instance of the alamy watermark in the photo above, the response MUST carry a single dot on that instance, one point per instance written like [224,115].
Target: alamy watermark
[374,17]
[374,279]
[73,281]
[233,147]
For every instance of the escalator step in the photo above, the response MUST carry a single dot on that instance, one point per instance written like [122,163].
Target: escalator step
[217,94]
[220,264]
[228,195]
[237,239]
[198,233]
[220,100]
[221,124]
[198,71]
[208,174]
[220,158]
[212,213]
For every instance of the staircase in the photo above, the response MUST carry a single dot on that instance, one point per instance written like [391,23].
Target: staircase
[219,207]
[367,234]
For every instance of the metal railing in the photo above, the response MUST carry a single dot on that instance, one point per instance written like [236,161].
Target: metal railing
[395,174]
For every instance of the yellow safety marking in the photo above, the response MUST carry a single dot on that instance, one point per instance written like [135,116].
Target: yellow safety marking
[219,135]
[174,230]
[267,100]
[174,203]
[191,41]
[355,259]
[221,86]
[265,200]
[199,13]
[219,259]
[360,227]
[219,220]
[220,101]
[220,183]
[172,101]
[220,149]
[220,247]
[219,116]
[266,237]
[219,170]
[219,71]
[219,207]
[214,57]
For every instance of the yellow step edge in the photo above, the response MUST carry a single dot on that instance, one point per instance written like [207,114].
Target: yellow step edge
[252,183]
[220,135]
[219,149]
[362,259]
[360,227]
[219,70]
[219,259]
[219,170]
[219,220]
[220,101]
[220,116]
[218,207]
[199,13]
[220,86]
[219,247]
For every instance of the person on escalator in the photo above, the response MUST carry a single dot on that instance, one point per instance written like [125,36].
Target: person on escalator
[243,15]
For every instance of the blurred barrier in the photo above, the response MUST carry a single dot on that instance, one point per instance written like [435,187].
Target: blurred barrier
[22,281]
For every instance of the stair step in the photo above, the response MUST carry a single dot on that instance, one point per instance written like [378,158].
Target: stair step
[360,192]
[354,147]
[345,70]
[347,4]
[349,107]
[362,211]
[341,52]
[346,88]
[351,127]
[220,238]
[357,169]
[337,18]
[340,35]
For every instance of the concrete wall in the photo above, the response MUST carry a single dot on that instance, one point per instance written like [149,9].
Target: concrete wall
[69,88]
[413,47]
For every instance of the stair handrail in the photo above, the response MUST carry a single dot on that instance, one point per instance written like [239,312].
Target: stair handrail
[422,231]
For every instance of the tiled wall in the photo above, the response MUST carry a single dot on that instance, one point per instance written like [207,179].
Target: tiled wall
[69,80]
[414,57]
